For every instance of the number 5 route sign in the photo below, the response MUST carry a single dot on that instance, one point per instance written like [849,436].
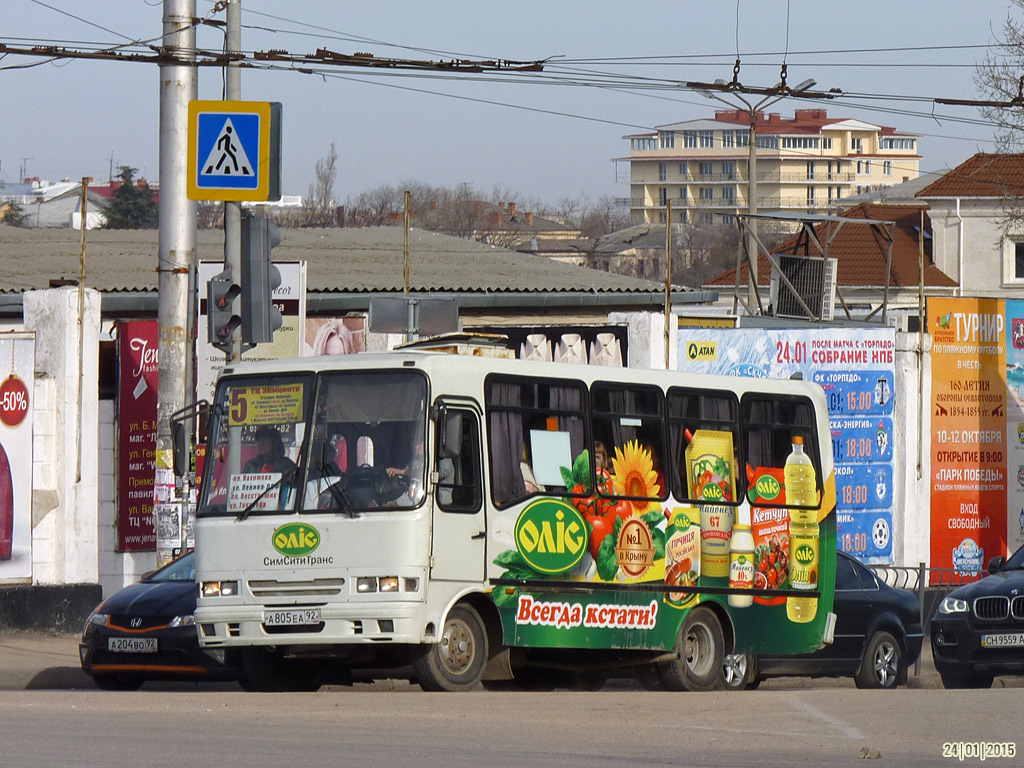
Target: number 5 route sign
[234,150]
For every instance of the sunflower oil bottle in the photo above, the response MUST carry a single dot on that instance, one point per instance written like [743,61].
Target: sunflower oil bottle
[801,491]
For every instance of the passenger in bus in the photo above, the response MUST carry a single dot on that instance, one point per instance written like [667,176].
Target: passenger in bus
[270,456]
[532,486]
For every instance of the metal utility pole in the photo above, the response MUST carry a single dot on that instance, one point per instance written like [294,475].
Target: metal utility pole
[177,215]
[232,209]
[753,109]
[668,279]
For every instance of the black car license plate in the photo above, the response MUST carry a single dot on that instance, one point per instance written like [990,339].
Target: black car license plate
[131,644]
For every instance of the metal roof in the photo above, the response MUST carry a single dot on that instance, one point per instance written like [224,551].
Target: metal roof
[347,261]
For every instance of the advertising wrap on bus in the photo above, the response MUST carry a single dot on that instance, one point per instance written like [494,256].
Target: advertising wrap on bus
[487,520]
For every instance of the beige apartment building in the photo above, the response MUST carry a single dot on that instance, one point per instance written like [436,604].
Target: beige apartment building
[809,162]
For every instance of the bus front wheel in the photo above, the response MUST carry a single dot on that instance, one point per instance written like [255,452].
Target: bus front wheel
[701,651]
[456,661]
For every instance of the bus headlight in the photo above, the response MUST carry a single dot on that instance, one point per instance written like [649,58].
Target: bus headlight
[219,588]
[365,584]
[388,584]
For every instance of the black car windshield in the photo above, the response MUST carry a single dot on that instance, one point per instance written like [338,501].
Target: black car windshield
[1016,560]
[182,569]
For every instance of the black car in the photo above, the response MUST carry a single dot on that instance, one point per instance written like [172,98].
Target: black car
[877,637]
[978,629]
[147,631]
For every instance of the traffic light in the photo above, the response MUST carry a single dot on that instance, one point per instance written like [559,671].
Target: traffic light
[221,318]
[260,317]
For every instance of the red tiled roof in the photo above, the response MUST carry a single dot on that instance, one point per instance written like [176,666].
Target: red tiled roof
[803,121]
[862,250]
[984,175]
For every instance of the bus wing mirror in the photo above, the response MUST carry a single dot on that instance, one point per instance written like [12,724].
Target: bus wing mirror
[451,435]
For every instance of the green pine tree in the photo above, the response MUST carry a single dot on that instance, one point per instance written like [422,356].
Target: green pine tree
[133,206]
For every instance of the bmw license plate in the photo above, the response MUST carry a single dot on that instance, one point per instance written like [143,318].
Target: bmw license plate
[294,617]
[1003,640]
[131,644]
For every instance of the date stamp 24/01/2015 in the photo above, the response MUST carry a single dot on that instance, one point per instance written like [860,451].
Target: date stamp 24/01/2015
[978,750]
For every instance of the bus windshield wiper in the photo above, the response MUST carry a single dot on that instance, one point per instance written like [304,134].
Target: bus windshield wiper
[289,476]
[335,489]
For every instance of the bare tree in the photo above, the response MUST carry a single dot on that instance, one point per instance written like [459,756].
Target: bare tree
[319,203]
[998,77]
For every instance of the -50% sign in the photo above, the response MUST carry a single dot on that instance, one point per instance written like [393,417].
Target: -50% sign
[13,401]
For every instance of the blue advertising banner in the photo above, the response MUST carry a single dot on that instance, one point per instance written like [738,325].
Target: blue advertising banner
[856,368]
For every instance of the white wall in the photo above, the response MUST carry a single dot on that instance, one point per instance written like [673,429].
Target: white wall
[65,445]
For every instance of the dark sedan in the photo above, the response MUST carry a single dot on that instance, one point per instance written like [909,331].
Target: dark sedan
[978,629]
[877,637]
[147,631]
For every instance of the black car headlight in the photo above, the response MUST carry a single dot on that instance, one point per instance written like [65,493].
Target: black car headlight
[182,621]
[95,620]
[953,605]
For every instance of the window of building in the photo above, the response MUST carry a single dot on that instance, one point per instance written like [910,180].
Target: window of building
[728,219]
[642,145]
[662,217]
[707,193]
[1018,260]
[662,195]
[729,170]
[887,168]
[867,167]
[742,138]
[728,194]
[690,139]
[826,143]
[707,139]
[706,169]
[682,169]
[682,195]
[800,142]
[662,171]
[810,196]
[728,139]
[857,145]
[860,166]
[893,143]
[768,142]
[707,218]
[667,139]
[810,169]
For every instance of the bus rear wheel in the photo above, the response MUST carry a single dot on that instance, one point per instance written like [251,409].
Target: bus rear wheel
[700,650]
[457,660]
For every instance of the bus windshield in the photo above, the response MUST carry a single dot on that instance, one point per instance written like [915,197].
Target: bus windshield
[341,442]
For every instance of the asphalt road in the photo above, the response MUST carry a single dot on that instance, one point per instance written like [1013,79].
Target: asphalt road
[51,715]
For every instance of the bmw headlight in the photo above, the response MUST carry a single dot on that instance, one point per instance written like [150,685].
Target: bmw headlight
[953,605]
[183,621]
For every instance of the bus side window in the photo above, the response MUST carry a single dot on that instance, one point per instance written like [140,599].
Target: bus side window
[770,422]
[458,462]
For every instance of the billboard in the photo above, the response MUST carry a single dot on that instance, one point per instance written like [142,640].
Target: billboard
[856,368]
[17,402]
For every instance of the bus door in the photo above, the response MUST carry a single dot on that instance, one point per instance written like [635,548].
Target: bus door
[459,530]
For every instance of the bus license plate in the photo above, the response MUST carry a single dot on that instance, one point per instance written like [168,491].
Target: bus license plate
[291,618]
[1003,640]
[131,644]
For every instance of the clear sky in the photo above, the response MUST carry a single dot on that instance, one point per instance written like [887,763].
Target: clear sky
[541,137]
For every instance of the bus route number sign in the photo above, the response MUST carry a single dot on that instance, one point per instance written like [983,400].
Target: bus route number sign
[278,404]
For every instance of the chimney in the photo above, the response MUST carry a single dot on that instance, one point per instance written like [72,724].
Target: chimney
[512,210]
[529,218]
[496,218]
[479,208]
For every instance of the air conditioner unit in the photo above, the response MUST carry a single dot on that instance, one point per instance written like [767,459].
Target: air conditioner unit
[814,279]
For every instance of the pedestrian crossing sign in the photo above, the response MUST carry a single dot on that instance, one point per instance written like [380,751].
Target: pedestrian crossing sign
[234,150]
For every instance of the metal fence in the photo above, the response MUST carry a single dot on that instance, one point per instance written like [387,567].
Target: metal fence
[930,585]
